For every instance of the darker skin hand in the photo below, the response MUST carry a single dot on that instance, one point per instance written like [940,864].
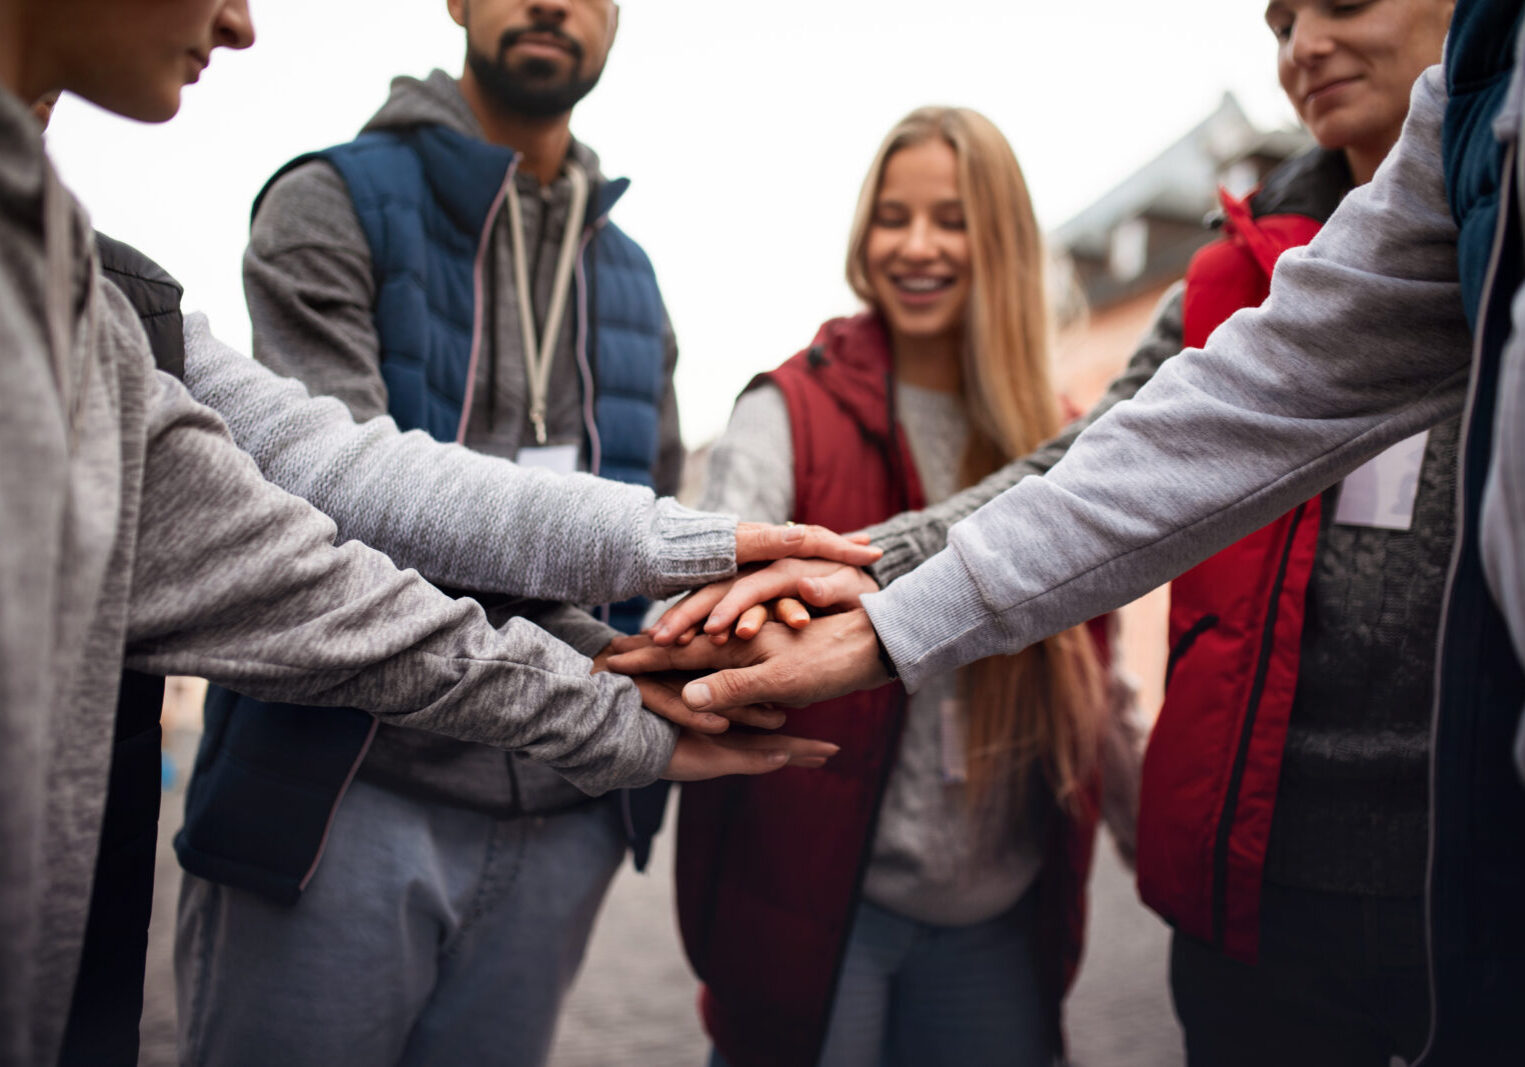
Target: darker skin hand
[661,692]
[834,655]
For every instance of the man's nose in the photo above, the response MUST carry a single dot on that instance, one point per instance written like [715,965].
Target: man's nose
[553,11]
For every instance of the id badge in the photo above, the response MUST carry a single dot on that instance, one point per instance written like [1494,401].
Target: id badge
[1381,492]
[558,459]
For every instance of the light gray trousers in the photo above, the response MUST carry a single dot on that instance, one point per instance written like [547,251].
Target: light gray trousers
[428,935]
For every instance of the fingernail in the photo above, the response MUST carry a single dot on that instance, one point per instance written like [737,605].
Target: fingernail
[714,720]
[659,634]
[810,586]
[697,695]
[778,757]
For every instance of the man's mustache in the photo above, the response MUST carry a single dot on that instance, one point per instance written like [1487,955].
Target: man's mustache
[511,38]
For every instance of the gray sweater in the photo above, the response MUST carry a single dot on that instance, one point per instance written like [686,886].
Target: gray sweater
[1362,343]
[311,292]
[133,530]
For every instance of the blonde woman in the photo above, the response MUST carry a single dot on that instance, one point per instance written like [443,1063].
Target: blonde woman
[921,900]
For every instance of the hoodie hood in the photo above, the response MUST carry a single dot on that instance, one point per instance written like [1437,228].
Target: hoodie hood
[437,101]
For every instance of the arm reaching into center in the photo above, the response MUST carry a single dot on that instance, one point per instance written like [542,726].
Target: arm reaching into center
[1361,343]
[472,521]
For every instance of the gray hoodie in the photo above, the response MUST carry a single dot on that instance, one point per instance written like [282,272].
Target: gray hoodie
[311,291]
[133,530]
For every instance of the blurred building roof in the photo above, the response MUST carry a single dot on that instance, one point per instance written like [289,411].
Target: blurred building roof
[1143,232]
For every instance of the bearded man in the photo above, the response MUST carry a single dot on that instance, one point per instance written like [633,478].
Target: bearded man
[402,898]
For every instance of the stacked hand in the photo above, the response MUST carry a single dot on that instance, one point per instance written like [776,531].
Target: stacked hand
[776,662]
[743,602]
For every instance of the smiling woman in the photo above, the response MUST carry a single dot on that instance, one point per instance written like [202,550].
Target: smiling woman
[967,805]
[1347,68]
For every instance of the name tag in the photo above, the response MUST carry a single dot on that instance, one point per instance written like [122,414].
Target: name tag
[558,459]
[1381,493]
[954,715]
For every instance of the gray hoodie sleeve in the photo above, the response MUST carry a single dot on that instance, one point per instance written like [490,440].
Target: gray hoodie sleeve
[1361,343]
[310,289]
[241,583]
[461,518]
[913,537]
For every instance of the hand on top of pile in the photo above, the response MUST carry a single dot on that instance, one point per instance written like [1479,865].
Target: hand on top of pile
[742,602]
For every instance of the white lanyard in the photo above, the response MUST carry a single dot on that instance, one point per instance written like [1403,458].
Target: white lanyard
[537,357]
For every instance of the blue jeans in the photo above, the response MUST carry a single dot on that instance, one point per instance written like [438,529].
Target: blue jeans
[428,935]
[916,995]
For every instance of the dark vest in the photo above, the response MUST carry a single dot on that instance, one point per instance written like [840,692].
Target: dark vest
[102,1030]
[767,882]
[268,776]
[1477,877]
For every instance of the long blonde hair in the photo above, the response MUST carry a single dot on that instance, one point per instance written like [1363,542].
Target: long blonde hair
[1041,707]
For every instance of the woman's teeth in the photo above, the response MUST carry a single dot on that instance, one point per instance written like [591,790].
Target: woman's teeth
[923,285]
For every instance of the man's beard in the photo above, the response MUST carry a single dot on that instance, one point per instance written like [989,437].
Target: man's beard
[532,88]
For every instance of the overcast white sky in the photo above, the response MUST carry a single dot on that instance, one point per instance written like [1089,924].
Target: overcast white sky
[745,128]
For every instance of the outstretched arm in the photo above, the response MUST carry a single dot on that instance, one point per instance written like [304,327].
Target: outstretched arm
[469,520]
[1361,343]
[911,538]
[239,582]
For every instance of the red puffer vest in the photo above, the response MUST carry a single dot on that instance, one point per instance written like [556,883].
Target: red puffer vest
[1211,770]
[769,868]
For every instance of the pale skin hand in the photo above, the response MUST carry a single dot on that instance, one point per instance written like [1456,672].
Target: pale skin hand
[758,542]
[741,601]
[832,656]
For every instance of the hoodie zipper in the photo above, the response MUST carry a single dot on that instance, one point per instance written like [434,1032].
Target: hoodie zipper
[478,293]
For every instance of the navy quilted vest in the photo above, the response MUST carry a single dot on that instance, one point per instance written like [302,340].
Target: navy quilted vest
[268,776]
[1477,880]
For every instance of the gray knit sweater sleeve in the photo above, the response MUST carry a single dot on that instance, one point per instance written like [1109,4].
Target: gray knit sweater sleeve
[1361,343]
[240,582]
[459,517]
[913,537]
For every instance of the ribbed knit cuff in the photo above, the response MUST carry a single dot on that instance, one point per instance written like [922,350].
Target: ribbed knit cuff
[900,558]
[689,547]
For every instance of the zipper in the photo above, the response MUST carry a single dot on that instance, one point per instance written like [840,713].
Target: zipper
[1500,232]
[478,290]
[892,456]
[1184,643]
[1246,735]
[584,367]
[333,812]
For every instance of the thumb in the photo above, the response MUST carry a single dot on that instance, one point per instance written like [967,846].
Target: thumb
[733,688]
[840,588]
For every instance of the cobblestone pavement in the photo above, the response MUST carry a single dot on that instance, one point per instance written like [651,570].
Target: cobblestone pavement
[633,1005]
